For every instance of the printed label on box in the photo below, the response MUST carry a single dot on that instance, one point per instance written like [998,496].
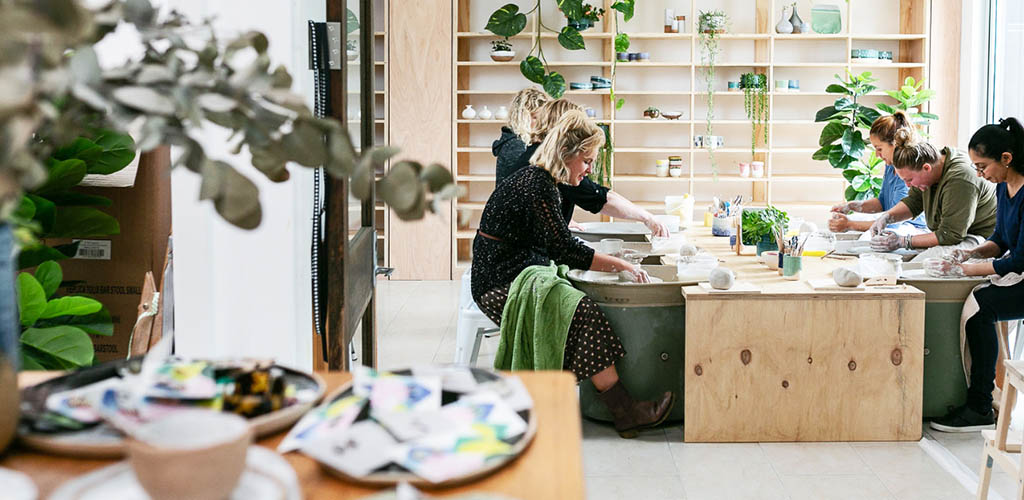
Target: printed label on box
[93,249]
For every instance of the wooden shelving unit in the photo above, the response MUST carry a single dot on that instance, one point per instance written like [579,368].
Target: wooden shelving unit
[381,126]
[791,113]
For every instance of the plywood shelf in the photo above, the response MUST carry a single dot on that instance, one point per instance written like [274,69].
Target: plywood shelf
[599,64]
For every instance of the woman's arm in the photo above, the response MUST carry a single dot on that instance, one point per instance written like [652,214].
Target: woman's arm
[610,264]
[978,269]
[872,206]
[621,208]
[900,212]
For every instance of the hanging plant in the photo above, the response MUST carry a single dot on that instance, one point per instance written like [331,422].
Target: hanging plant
[710,26]
[507,21]
[755,104]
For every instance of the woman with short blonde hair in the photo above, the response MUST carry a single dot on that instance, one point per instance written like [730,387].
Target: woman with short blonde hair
[521,232]
[515,135]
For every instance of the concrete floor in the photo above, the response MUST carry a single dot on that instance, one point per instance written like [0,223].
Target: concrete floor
[416,324]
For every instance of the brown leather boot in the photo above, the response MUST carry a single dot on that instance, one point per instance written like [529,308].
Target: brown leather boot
[631,416]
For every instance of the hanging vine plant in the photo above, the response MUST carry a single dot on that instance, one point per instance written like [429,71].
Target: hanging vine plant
[709,26]
[755,104]
[507,21]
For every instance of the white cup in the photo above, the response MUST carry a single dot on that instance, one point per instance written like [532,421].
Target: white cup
[611,246]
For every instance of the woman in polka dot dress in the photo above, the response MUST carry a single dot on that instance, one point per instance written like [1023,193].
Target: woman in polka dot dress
[522,226]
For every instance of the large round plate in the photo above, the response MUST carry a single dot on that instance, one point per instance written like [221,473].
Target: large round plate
[102,441]
[393,474]
[627,231]
[266,476]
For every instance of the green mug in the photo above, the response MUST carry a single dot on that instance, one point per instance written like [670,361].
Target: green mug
[791,265]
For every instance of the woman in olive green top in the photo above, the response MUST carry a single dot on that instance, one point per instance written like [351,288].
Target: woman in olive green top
[959,206]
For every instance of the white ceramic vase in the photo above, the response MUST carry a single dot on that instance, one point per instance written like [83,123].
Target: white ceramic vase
[501,113]
[469,113]
[784,27]
[485,114]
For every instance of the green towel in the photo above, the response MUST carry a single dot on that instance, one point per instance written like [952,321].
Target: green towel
[536,319]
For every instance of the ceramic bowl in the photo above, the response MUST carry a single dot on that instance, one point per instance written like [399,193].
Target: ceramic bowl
[503,55]
[672,115]
[198,455]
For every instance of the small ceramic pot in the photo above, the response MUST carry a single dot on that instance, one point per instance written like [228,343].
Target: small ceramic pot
[766,244]
[485,114]
[634,56]
[591,112]
[661,170]
[352,55]
[771,259]
[794,85]
[652,113]
[502,113]
[734,85]
[791,266]
[744,169]
[469,113]
[644,56]
[675,172]
[580,24]
[622,56]
[503,55]
[781,85]
[757,169]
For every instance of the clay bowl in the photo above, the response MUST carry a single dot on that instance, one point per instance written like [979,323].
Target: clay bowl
[502,56]
[198,455]
[672,115]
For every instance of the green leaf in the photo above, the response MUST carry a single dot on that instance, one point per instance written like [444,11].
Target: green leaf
[46,213]
[626,8]
[66,343]
[822,154]
[73,199]
[31,299]
[49,275]
[98,323]
[852,143]
[837,157]
[507,21]
[118,151]
[870,115]
[30,361]
[64,174]
[573,9]
[83,222]
[851,193]
[621,42]
[71,306]
[844,104]
[144,99]
[825,114]
[81,149]
[33,256]
[554,84]
[571,39]
[351,21]
[887,108]
[849,174]
[831,133]
[26,210]
[234,195]
[861,182]
[929,116]
[532,69]
[619,103]
[835,88]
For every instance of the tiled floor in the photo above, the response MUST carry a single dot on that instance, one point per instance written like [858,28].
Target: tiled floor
[416,321]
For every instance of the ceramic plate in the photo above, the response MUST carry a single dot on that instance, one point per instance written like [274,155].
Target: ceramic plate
[393,474]
[17,486]
[102,441]
[267,476]
[609,228]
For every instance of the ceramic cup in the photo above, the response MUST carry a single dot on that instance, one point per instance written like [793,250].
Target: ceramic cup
[770,259]
[675,172]
[591,112]
[198,455]
[744,169]
[661,168]
[791,266]
[611,246]
[734,85]
[794,85]
[781,84]
[757,168]
[622,56]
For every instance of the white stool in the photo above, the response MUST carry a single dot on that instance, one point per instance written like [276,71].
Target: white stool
[472,325]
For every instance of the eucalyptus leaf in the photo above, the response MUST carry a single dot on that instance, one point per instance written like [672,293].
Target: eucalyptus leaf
[305,144]
[217,103]
[67,343]
[436,176]
[401,188]
[31,299]
[506,21]
[84,66]
[49,276]
[254,39]
[361,184]
[144,99]
[234,196]
[151,74]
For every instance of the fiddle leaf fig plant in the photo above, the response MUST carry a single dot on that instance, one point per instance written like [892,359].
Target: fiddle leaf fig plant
[55,330]
[52,89]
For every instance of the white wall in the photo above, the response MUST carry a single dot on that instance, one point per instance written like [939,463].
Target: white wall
[247,293]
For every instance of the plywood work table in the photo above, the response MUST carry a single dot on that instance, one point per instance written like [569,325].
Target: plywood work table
[550,468]
[795,364]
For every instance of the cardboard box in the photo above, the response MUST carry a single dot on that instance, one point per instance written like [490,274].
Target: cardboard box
[112,270]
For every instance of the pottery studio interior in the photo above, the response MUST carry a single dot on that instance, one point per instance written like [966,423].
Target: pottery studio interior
[511,249]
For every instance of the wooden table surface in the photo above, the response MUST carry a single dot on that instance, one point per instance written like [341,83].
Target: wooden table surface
[551,468]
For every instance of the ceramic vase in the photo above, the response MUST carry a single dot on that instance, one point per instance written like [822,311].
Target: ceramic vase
[469,113]
[798,24]
[501,113]
[785,27]
[485,114]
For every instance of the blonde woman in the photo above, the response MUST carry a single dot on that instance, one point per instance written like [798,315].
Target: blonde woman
[520,232]
[882,136]
[959,206]
[588,194]
[515,134]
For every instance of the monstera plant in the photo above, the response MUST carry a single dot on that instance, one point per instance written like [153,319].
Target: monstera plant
[52,90]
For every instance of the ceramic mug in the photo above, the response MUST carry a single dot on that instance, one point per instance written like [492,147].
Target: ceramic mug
[791,266]
[781,85]
[661,168]
[675,171]
[757,168]
[771,259]
[744,169]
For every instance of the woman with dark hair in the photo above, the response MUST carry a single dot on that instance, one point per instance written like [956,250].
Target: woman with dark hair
[882,137]
[997,152]
[960,207]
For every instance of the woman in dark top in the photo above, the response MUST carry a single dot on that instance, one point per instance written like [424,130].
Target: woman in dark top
[521,227]
[512,154]
[997,152]
[515,135]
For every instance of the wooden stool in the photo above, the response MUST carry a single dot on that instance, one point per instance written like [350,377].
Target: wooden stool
[998,447]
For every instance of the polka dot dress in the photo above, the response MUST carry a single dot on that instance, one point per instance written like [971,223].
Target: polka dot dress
[523,219]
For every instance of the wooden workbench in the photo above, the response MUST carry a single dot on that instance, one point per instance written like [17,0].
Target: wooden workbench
[795,364]
[550,468]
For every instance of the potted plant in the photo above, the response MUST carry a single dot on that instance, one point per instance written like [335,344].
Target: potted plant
[763,228]
[590,16]
[501,50]
[351,50]
[652,112]
[714,21]
[755,103]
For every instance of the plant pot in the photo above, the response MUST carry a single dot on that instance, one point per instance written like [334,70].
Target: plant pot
[352,55]
[503,55]
[580,24]
[651,113]
[766,245]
